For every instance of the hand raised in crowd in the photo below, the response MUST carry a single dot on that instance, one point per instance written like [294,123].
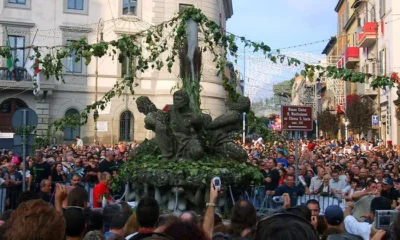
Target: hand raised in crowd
[61,192]
[379,235]
[213,193]
[286,200]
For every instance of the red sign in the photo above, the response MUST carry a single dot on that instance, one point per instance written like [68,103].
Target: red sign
[297,118]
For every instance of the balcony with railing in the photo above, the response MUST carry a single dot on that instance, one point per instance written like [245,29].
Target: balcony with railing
[367,38]
[351,57]
[18,74]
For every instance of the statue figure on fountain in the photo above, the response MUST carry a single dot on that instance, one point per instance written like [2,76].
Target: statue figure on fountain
[156,121]
[183,134]
[185,124]
[220,142]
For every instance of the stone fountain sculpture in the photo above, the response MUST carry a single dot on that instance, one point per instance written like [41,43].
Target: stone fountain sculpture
[183,134]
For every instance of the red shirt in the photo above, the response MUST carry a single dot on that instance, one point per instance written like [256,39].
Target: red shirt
[98,191]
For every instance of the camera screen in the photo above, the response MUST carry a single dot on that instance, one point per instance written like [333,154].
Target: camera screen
[384,221]
[217,182]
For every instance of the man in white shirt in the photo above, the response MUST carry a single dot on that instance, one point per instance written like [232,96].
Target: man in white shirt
[79,142]
[316,181]
[364,229]
[336,184]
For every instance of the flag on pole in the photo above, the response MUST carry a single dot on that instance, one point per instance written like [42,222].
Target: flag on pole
[10,63]
[32,68]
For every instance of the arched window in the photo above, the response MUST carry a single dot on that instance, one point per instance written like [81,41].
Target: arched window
[71,132]
[7,109]
[126,126]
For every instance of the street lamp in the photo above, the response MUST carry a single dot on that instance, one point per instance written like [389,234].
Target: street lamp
[317,81]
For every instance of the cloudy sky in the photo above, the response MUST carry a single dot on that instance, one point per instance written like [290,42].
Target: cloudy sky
[283,23]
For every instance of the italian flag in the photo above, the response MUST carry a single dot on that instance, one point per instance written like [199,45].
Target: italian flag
[32,67]
[10,64]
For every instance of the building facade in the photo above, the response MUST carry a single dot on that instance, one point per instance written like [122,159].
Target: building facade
[366,42]
[60,22]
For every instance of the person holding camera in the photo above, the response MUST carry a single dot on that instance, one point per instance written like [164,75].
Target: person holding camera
[363,229]
[293,191]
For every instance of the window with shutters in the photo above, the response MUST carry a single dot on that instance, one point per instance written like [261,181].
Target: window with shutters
[76,6]
[70,132]
[18,3]
[18,55]
[382,8]
[129,7]
[126,126]
[74,65]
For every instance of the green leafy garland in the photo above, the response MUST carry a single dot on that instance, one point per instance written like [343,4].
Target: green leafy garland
[159,173]
[148,55]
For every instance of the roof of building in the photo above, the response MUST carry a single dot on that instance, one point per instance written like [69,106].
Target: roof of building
[330,45]
[339,5]
[228,8]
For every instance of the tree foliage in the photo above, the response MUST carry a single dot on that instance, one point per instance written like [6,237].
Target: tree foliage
[359,112]
[328,122]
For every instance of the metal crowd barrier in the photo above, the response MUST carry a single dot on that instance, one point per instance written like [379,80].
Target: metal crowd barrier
[9,195]
[263,203]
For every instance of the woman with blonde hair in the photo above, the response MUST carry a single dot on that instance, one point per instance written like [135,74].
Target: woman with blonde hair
[131,226]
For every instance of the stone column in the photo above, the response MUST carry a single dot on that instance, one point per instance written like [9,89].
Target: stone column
[43,112]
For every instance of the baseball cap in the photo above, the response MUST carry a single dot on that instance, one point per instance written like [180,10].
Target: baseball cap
[388,181]
[334,215]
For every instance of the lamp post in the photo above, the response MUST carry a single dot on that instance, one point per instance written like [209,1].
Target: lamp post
[358,30]
[317,81]
[100,27]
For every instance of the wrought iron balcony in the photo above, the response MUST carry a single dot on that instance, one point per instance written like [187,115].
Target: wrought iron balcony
[18,74]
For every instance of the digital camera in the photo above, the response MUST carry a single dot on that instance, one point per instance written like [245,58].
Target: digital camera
[383,218]
[217,183]
[278,199]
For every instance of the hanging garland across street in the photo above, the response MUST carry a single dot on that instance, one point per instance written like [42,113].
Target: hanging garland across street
[148,48]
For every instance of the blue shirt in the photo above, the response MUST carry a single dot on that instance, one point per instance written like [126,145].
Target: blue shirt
[293,192]
[283,161]
[107,235]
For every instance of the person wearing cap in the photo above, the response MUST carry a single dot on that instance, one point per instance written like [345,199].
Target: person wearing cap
[389,192]
[334,218]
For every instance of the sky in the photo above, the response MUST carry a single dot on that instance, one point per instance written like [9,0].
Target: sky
[280,24]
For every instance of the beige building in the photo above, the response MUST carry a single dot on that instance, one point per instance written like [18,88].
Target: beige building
[58,22]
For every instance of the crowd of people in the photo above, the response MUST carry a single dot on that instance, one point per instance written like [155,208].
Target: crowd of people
[360,173]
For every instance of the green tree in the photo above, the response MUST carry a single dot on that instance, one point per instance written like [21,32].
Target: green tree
[328,123]
[359,112]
